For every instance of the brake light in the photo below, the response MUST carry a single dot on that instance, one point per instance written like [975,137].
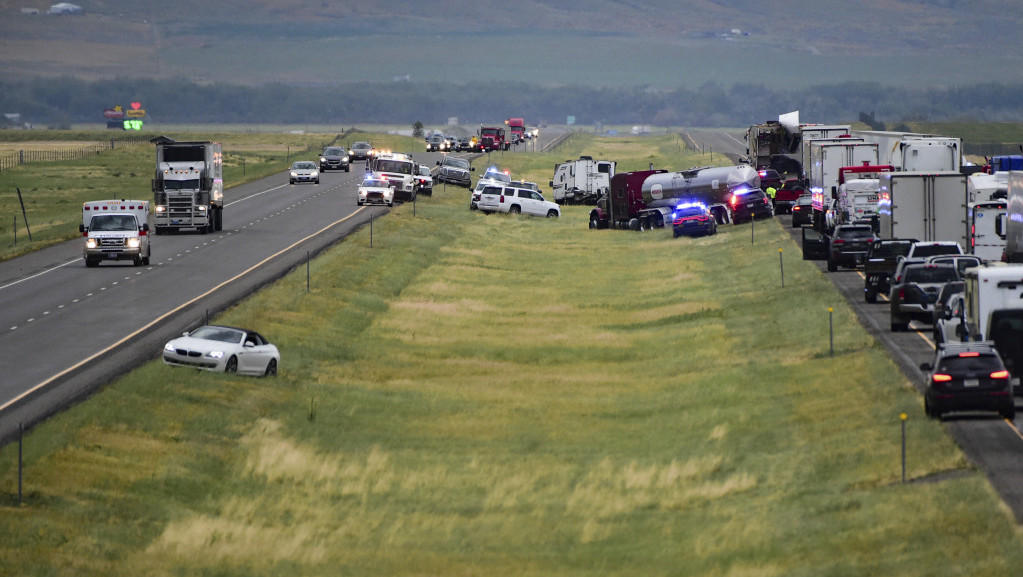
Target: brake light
[1000,375]
[941,378]
[969,354]
[902,294]
[838,241]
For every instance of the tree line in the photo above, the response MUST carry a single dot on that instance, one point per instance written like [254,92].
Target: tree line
[57,102]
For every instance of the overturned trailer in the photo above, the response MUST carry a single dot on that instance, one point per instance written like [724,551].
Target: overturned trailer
[645,199]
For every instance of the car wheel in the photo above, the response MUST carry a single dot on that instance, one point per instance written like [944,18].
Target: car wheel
[899,326]
[552,213]
[317,181]
[291,182]
[514,209]
[91,262]
[870,295]
[271,368]
[348,169]
[145,261]
[1009,413]
[832,266]
[675,234]
[232,365]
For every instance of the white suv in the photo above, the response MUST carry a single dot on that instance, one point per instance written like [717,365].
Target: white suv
[516,200]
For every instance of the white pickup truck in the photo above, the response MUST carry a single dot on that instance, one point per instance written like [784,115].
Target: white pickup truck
[116,230]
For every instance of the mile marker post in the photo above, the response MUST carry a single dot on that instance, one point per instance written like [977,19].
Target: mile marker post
[831,329]
[781,267]
[903,417]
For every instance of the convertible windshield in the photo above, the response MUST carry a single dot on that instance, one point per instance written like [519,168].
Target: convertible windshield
[222,334]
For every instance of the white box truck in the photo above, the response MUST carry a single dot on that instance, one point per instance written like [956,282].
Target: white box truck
[827,159]
[582,181]
[116,230]
[923,205]
[915,152]
[1014,218]
[993,306]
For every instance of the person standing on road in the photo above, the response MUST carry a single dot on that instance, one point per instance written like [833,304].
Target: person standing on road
[770,193]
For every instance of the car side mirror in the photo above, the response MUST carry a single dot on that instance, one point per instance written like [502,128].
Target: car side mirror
[947,313]
[145,227]
[82,228]
[438,163]
[472,168]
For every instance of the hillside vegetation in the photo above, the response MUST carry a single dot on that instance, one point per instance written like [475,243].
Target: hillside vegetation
[500,395]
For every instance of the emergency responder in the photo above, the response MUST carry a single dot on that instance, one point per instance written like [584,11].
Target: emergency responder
[770,193]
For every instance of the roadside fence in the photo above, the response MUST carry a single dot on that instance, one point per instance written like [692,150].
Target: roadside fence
[9,161]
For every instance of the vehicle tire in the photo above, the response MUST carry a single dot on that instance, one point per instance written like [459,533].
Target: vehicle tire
[145,261]
[594,224]
[91,262]
[219,214]
[271,368]
[1009,413]
[317,181]
[232,365]
[552,213]
[514,209]
[832,266]
[158,230]
[899,326]
[675,234]
[870,295]
[291,182]
[928,410]
[348,168]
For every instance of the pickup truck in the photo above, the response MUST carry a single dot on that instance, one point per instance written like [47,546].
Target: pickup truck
[912,297]
[879,265]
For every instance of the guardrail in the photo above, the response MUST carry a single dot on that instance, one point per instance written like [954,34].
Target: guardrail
[9,161]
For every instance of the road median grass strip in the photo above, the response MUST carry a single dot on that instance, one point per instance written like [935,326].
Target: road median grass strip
[510,395]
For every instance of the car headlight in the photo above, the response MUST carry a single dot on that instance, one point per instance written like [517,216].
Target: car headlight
[169,346]
[215,354]
[201,208]
[91,243]
[133,242]
[323,160]
[315,173]
[160,208]
[345,159]
[294,174]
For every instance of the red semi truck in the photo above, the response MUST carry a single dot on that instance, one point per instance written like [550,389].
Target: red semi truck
[517,127]
[492,138]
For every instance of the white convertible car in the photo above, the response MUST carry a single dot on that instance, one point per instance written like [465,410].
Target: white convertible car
[224,349]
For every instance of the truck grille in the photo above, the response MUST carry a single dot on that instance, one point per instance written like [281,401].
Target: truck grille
[179,205]
[111,242]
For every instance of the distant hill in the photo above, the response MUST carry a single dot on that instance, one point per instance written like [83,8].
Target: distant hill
[657,43]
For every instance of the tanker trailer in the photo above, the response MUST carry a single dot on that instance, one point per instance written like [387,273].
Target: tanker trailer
[642,200]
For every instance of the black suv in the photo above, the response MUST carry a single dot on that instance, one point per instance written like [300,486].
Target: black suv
[849,244]
[750,204]
[360,151]
[334,158]
[967,377]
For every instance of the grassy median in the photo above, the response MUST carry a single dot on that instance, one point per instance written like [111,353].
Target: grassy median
[502,395]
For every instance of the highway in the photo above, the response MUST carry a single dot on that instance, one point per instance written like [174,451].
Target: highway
[993,444]
[68,329]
